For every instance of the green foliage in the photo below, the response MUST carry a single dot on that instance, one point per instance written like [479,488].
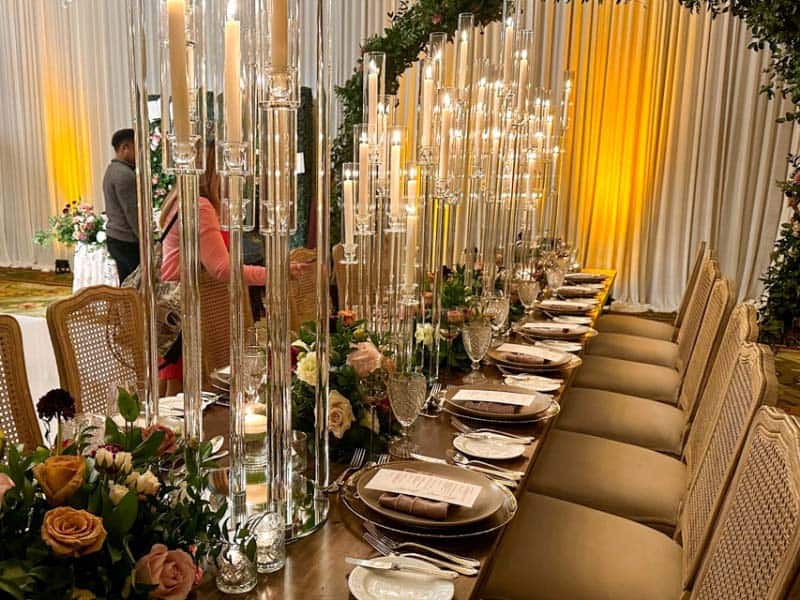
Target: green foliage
[779,314]
[175,514]
[162,182]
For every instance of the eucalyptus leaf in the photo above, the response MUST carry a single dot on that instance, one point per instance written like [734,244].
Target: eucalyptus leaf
[128,405]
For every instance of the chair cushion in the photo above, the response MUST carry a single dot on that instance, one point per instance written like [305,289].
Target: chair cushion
[629,419]
[556,550]
[635,326]
[626,480]
[628,377]
[635,348]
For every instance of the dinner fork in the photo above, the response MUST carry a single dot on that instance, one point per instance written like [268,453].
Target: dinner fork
[382,459]
[430,402]
[442,564]
[464,428]
[356,462]
[395,545]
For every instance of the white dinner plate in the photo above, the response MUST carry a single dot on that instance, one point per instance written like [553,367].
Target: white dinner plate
[536,383]
[573,319]
[372,584]
[562,345]
[490,447]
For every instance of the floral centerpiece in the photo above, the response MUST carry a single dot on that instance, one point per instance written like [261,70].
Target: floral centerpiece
[360,363]
[78,222]
[125,519]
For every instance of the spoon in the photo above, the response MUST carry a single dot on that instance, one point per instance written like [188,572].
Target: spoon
[216,443]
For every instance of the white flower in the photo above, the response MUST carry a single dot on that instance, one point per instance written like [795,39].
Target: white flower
[101,236]
[340,414]
[181,493]
[307,368]
[104,458]
[122,461]
[116,492]
[424,334]
[143,483]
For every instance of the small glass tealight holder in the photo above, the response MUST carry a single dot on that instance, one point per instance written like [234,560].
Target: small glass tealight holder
[270,534]
[236,573]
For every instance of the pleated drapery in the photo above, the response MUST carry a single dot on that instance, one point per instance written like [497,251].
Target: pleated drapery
[671,142]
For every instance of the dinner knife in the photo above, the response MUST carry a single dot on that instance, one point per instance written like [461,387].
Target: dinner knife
[495,475]
[388,564]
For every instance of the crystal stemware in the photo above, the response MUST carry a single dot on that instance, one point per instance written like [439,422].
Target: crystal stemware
[406,397]
[497,307]
[528,291]
[555,278]
[477,336]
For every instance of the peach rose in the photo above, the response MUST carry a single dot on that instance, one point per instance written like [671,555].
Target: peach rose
[60,477]
[72,532]
[6,483]
[172,571]
[169,444]
[365,358]
[348,317]
[340,414]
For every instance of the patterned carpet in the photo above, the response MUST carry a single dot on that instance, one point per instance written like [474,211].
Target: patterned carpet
[24,292]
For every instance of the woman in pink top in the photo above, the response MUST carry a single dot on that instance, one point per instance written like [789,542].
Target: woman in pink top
[214,256]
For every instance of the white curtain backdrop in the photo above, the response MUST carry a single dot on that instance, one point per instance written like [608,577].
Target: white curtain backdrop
[64,84]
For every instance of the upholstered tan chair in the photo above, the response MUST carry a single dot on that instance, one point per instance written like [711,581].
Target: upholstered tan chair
[302,290]
[17,415]
[659,330]
[650,380]
[555,549]
[98,339]
[647,486]
[657,425]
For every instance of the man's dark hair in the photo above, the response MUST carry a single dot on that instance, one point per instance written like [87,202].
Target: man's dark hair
[120,137]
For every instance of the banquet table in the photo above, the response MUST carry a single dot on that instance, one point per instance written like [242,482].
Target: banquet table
[315,565]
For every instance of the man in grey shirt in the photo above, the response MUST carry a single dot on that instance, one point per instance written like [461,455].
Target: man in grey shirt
[119,189]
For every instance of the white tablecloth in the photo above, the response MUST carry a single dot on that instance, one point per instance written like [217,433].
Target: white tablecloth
[93,265]
[40,361]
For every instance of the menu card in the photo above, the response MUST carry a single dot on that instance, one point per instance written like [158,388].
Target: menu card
[422,485]
[537,351]
[514,398]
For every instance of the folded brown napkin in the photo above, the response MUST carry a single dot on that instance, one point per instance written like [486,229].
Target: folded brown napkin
[492,407]
[412,505]
[527,359]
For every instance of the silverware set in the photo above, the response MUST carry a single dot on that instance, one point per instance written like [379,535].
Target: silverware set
[356,462]
[431,407]
[487,432]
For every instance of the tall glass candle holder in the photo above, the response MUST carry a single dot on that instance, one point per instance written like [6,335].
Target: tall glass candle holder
[447,125]
[349,188]
[183,110]
[523,52]
[374,70]
[567,97]
[437,42]
[464,55]
[281,21]
[395,207]
[427,105]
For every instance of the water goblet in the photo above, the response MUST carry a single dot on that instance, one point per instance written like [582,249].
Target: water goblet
[406,397]
[477,336]
[497,307]
[528,291]
[555,278]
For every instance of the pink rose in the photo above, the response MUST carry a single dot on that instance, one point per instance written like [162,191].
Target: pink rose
[6,483]
[169,445]
[365,358]
[172,571]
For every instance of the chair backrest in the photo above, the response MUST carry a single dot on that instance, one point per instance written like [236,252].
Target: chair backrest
[17,416]
[98,339]
[302,290]
[742,327]
[215,323]
[699,258]
[687,334]
[752,384]
[712,327]
[755,550]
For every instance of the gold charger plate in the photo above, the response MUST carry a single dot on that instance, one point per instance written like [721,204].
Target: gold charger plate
[486,504]
[538,406]
[550,329]
[560,359]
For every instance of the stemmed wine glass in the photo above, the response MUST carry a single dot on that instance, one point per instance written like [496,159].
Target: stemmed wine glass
[528,290]
[406,397]
[497,307]
[477,336]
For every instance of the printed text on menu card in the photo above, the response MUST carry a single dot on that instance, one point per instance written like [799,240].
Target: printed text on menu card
[425,486]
